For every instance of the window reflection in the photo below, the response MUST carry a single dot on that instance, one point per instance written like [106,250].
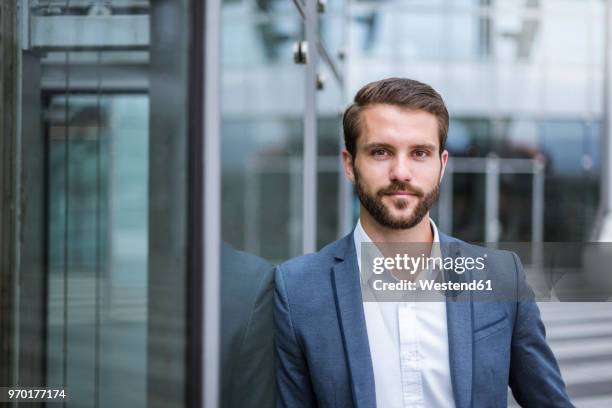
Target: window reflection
[98,228]
[92,88]
[262,126]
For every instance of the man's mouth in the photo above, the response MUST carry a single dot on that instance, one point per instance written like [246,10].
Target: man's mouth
[401,194]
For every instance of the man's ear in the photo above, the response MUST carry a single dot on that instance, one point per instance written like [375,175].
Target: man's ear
[443,161]
[347,161]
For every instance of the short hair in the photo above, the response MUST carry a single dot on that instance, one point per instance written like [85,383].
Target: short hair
[401,92]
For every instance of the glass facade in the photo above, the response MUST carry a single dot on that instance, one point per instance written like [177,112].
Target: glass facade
[102,108]
[264,100]
[262,130]
[113,103]
[97,245]
[282,91]
[108,216]
[505,69]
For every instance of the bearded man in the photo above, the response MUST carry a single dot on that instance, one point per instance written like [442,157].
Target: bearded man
[337,350]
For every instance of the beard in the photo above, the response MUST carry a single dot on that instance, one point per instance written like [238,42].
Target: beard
[373,203]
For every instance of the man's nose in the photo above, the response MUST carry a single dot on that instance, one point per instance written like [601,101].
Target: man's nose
[401,169]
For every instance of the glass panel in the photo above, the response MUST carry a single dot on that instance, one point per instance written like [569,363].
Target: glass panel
[468,206]
[387,33]
[98,246]
[519,139]
[591,163]
[470,3]
[331,32]
[565,40]
[570,189]
[96,69]
[469,137]
[563,143]
[468,36]
[330,143]
[335,6]
[262,128]
[422,34]
[515,200]
[596,30]
[98,229]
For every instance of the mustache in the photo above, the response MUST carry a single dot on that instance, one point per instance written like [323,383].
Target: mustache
[399,187]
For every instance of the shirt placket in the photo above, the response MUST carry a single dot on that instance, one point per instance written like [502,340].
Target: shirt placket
[410,356]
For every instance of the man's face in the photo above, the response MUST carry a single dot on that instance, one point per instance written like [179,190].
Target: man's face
[397,168]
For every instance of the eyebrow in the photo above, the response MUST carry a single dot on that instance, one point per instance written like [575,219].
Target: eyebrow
[427,146]
[377,145]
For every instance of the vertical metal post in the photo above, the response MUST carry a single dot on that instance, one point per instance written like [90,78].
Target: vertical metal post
[309,187]
[30,266]
[9,279]
[295,205]
[170,237]
[345,194]
[537,220]
[25,25]
[251,208]
[212,202]
[537,209]
[492,200]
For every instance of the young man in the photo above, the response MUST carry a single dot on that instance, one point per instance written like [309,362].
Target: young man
[335,350]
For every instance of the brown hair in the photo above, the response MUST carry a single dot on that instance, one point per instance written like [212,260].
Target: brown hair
[402,92]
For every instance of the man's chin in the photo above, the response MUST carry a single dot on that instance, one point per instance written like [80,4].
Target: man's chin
[401,214]
[406,201]
[401,217]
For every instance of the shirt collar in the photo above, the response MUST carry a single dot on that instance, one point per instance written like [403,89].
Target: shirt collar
[359,236]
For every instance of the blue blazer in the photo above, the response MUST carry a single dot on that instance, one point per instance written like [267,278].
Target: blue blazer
[324,354]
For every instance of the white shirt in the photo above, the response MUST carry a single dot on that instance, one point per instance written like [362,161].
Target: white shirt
[409,348]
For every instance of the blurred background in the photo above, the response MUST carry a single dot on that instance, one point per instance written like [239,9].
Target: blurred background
[107,120]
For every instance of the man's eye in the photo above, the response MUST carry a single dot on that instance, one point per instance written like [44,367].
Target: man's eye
[420,154]
[379,152]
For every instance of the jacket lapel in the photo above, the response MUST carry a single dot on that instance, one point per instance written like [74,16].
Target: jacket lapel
[459,322]
[352,324]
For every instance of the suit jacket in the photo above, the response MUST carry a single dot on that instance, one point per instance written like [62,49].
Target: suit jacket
[247,331]
[323,349]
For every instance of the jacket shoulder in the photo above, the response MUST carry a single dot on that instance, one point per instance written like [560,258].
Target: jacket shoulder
[314,262]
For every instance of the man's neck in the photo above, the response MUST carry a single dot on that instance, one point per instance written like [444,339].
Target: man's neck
[419,233]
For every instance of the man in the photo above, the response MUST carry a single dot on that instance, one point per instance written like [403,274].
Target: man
[334,350]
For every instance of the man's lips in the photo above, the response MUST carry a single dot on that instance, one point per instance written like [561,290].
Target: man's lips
[402,193]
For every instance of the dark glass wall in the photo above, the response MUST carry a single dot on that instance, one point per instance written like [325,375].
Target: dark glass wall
[102,146]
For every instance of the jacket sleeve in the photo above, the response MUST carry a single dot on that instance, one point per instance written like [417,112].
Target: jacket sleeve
[535,378]
[292,377]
